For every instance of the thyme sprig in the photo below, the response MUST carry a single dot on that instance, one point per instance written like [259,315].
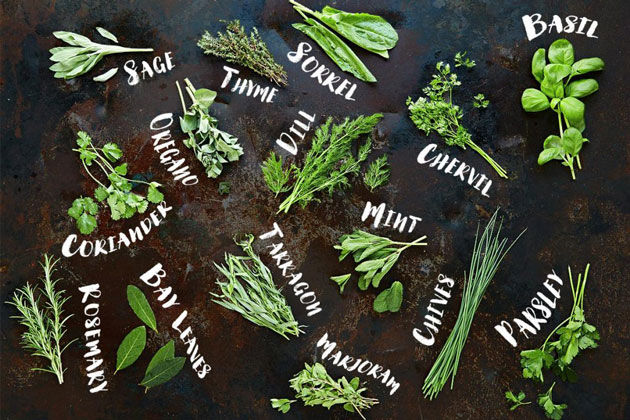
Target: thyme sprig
[45,322]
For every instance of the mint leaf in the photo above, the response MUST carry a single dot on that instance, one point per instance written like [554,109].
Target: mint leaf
[389,299]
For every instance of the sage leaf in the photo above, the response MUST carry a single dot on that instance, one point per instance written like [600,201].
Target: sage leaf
[336,49]
[106,34]
[138,302]
[163,371]
[166,352]
[106,76]
[131,347]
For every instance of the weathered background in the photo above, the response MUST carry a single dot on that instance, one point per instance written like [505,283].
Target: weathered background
[568,222]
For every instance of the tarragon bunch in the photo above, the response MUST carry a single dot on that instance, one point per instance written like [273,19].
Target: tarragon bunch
[437,112]
[44,321]
[122,202]
[314,386]
[212,147]
[574,335]
[236,47]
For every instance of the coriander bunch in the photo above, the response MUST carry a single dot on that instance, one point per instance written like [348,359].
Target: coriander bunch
[236,47]
[314,386]
[45,322]
[212,147]
[83,54]
[437,112]
[250,291]
[488,252]
[330,161]
[122,202]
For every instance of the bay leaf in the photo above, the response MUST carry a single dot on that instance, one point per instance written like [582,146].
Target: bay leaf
[131,347]
[166,352]
[163,372]
[138,302]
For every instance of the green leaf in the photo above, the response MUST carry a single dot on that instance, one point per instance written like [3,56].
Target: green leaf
[112,151]
[205,97]
[140,305]
[83,139]
[556,72]
[573,110]
[341,281]
[121,169]
[561,52]
[106,34]
[86,223]
[154,195]
[572,141]
[166,352]
[224,187]
[552,141]
[101,193]
[552,411]
[283,405]
[189,123]
[581,88]
[538,64]
[131,347]
[533,361]
[587,65]
[389,299]
[106,76]
[163,372]
[370,265]
[552,89]
[534,100]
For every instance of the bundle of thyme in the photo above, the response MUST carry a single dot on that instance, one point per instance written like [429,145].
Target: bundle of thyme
[314,386]
[248,51]
[44,322]
[250,291]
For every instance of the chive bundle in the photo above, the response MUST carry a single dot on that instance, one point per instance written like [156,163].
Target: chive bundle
[488,253]
[250,291]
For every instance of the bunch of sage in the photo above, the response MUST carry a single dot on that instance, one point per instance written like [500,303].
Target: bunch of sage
[250,291]
[559,93]
[211,146]
[83,54]
[367,31]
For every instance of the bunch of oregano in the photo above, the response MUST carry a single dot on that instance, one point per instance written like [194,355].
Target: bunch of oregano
[236,47]
[437,112]
[375,255]
[122,202]
[314,386]
[559,93]
[211,146]
[45,322]
[250,291]
[328,164]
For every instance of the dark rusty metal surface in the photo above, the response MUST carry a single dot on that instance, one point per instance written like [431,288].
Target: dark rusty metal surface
[569,223]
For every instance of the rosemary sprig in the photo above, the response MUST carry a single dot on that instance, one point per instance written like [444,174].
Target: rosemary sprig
[44,322]
[314,386]
[250,291]
[488,252]
[377,173]
[236,47]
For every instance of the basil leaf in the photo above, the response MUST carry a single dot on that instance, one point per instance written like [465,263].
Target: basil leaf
[581,88]
[166,352]
[363,29]
[572,141]
[561,52]
[556,72]
[163,372]
[551,141]
[336,49]
[106,76]
[534,100]
[131,347]
[549,154]
[552,89]
[141,307]
[587,65]
[538,64]
[106,34]
[573,110]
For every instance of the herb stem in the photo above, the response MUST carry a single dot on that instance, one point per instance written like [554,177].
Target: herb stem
[488,159]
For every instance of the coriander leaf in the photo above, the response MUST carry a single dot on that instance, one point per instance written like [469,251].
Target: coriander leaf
[121,169]
[83,139]
[101,193]
[112,152]
[154,195]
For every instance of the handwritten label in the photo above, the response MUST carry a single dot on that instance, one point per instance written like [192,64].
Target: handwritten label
[163,145]
[324,76]
[431,322]
[293,130]
[378,212]
[450,166]
[531,322]
[148,69]
[96,378]
[107,246]
[247,87]
[535,26]
[362,366]
[153,278]
[284,263]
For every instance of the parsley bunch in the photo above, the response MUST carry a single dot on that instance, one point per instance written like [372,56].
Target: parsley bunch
[122,202]
[212,146]
[437,112]
[575,335]
[314,386]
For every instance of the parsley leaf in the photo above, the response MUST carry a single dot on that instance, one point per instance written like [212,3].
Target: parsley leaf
[533,361]
[552,411]
[516,401]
